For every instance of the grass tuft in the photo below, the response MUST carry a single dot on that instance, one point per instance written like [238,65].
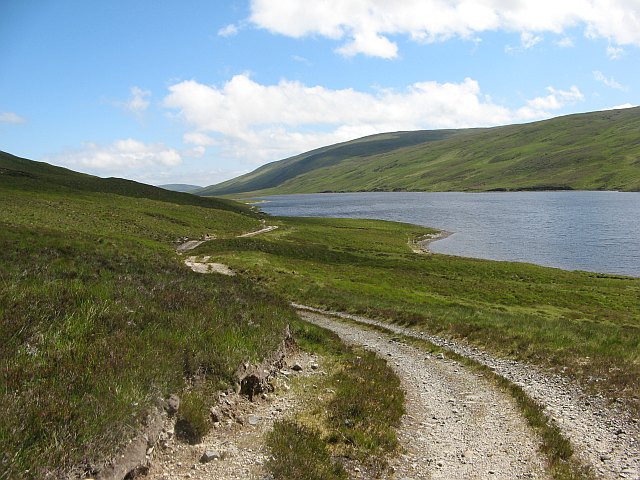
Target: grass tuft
[301,452]
[194,420]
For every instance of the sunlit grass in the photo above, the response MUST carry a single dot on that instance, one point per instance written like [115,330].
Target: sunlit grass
[99,317]
[586,324]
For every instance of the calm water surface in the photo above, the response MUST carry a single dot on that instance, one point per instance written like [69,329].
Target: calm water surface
[593,231]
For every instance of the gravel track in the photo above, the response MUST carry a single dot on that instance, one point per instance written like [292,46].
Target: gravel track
[458,424]
[603,434]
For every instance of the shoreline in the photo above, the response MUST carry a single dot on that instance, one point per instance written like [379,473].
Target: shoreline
[424,241]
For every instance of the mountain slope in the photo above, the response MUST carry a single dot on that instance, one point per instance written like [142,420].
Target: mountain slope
[29,174]
[591,151]
[276,173]
[180,187]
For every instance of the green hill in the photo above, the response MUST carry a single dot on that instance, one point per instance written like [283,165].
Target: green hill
[99,316]
[180,187]
[590,151]
[21,172]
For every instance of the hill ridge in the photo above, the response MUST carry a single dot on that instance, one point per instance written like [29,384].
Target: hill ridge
[586,151]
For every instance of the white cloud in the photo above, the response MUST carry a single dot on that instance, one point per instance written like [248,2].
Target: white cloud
[370,44]
[565,42]
[614,53]
[623,106]
[529,40]
[365,26]
[198,138]
[253,122]
[540,107]
[195,152]
[228,31]
[137,103]
[10,117]
[119,158]
[299,59]
[609,82]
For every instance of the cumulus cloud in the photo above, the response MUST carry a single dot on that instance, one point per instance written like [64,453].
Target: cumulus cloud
[365,26]
[608,81]
[228,30]
[120,158]
[565,42]
[370,44]
[137,103]
[540,107]
[249,120]
[11,117]
[623,106]
[614,53]
[198,138]
[529,40]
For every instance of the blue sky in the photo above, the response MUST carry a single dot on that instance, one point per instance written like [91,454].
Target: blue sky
[201,91]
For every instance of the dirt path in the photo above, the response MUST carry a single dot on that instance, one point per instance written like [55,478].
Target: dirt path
[603,435]
[203,265]
[258,232]
[190,245]
[237,444]
[458,424]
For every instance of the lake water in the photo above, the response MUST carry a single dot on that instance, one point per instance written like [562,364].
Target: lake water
[593,231]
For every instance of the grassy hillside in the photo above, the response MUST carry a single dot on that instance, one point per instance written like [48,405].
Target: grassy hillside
[592,151]
[98,315]
[276,173]
[19,172]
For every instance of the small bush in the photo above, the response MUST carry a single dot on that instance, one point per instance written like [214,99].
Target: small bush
[193,417]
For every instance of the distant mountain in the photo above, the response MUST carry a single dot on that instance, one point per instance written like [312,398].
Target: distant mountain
[180,187]
[590,151]
[41,176]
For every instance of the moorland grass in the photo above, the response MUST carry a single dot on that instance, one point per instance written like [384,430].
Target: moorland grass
[99,318]
[585,324]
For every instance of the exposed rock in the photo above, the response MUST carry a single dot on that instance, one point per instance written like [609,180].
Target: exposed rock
[210,455]
[134,461]
[253,420]
[215,414]
[173,404]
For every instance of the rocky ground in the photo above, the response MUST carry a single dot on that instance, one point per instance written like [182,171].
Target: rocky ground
[604,435]
[235,447]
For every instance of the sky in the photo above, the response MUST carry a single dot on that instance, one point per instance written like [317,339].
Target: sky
[164,91]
